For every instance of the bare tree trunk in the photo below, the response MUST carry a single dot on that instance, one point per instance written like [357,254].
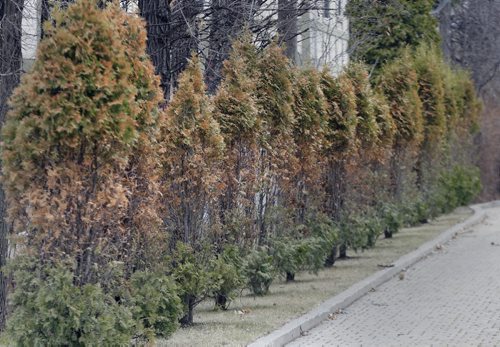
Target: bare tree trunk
[172,35]
[185,15]
[158,15]
[44,15]
[287,27]
[228,19]
[10,69]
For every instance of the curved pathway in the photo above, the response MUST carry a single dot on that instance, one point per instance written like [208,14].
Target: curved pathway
[451,298]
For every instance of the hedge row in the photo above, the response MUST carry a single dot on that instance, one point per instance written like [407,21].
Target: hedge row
[130,213]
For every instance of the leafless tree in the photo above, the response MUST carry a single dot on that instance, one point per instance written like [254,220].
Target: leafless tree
[471,38]
[177,28]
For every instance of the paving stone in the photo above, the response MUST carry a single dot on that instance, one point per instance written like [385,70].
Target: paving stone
[450,298]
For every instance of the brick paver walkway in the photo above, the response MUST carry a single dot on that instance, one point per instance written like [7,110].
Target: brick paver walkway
[451,298]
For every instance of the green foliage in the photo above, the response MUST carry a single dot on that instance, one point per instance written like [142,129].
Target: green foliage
[49,310]
[459,186]
[312,252]
[355,232]
[259,270]
[323,228]
[341,112]
[235,104]
[398,82]
[385,121]
[368,130]
[373,225]
[227,273]
[191,273]
[381,29]
[391,219]
[307,248]
[361,230]
[415,212]
[275,92]
[462,105]
[455,187]
[286,256]
[310,107]
[430,68]
[156,306]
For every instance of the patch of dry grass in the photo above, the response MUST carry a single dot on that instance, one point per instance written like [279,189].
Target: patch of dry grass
[250,317]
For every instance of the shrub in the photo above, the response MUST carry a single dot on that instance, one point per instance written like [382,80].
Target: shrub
[359,231]
[259,270]
[374,227]
[227,276]
[430,68]
[324,230]
[194,280]
[341,112]
[275,100]
[293,255]
[459,186]
[398,82]
[341,144]
[275,94]
[310,129]
[49,310]
[420,212]
[391,219]
[286,258]
[156,305]
[313,252]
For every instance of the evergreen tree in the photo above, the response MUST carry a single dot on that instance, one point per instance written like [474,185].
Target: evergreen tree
[380,29]
[310,136]
[341,144]
[342,122]
[398,82]
[275,102]
[193,148]
[367,130]
[76,142]
[430,68]
[236,110]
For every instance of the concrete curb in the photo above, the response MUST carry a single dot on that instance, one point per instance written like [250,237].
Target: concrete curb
[293,329]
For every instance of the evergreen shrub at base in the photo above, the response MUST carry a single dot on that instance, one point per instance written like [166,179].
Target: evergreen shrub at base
[459,186]
[227,276]
[259,270]
[49,310]
[192,274]
[391,219]
[286,258]
[156,305]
